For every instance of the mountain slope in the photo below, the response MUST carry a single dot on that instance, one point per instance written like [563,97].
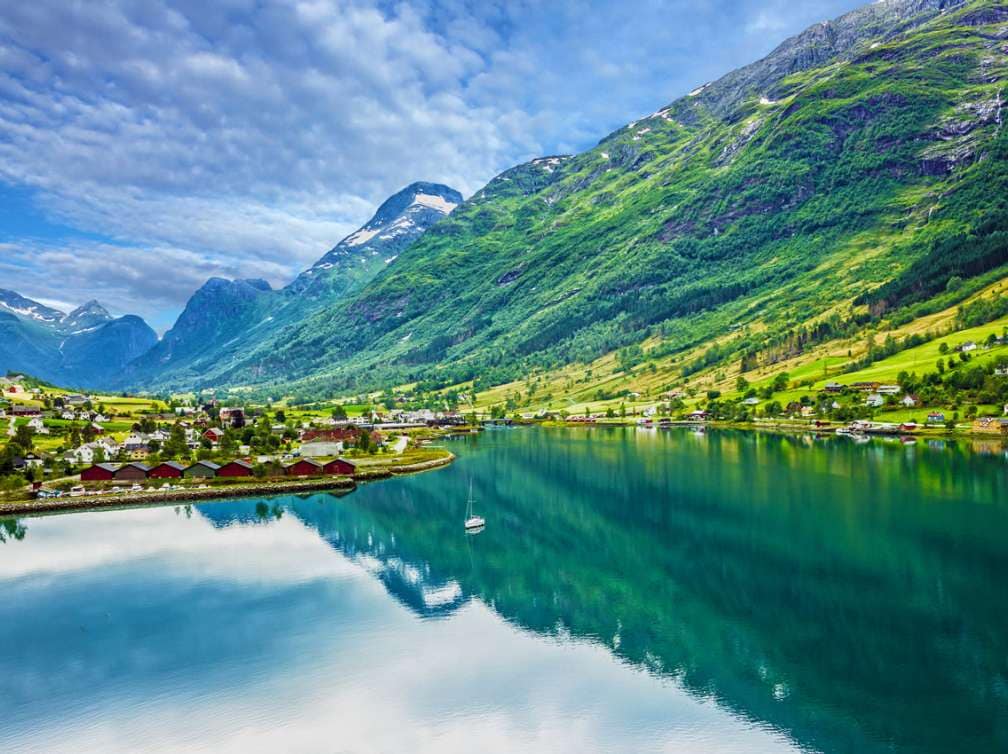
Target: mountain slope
[861,152]
[228,322]
[87,348]
[360,256]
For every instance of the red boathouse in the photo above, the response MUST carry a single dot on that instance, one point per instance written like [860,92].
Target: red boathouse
[339,467]
[167,470]
[100,472]
[304,467]
[235,468]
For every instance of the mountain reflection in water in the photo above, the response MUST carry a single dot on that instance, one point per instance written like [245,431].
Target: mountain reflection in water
[725,592]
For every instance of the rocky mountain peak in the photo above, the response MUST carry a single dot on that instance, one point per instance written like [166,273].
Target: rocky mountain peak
[86,316]
[399,221]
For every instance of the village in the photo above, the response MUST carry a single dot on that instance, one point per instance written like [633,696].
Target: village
[72,443]
[75,444]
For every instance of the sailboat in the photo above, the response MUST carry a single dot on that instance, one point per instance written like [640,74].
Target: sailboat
[473,523]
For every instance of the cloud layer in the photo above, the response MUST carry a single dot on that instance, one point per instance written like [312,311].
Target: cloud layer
[245,137]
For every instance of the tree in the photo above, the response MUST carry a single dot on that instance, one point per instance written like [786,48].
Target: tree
[24,437]
[364,442]
[339,412]
[175,446]
[943,349]
[741,384]
[229,443]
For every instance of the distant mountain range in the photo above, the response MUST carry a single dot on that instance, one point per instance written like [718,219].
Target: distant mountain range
[849,178]
[85,348]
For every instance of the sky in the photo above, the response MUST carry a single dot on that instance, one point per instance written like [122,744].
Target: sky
[146,146]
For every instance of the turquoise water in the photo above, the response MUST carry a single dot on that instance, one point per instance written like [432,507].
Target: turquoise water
[634,591]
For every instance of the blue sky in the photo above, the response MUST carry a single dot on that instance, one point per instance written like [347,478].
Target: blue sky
[146,146]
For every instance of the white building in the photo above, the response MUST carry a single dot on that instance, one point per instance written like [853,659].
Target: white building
[38,425]
[82,455]
[321,448]
[875,400]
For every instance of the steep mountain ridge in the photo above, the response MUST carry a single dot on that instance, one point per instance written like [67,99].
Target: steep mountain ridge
[397,223]
[225,320]
[780,194]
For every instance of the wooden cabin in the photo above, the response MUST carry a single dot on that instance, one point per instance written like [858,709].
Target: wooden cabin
[132,472]
[201,470]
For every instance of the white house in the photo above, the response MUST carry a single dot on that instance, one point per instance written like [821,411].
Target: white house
[37,424]
[909,400]
[82,455]
[135,441]
[966,347]
[874,400]
[889,390]
[68,416]
[751,401]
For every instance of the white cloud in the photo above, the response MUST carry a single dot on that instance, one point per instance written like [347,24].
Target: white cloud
[256,134]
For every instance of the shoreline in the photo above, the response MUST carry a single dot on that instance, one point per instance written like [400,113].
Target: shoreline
[792,428]
[263,488]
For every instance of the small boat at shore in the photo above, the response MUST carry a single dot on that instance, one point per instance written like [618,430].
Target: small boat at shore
[473,524]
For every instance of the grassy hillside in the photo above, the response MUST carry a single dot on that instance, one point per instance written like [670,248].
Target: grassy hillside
[855,180]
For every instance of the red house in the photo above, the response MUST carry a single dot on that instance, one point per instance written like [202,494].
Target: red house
[213,434]
[304,467]
[339,467]
[100,472]
[235,468]
[344,434]
[167,470]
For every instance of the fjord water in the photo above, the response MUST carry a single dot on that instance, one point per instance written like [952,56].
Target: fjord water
[634,591]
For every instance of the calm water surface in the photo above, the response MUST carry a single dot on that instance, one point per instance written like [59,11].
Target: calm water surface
[634,591]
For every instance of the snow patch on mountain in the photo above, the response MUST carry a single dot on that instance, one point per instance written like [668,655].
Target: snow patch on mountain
[435,202]
[361,236]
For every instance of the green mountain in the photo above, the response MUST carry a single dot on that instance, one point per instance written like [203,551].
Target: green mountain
[227,323]
[848,176]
